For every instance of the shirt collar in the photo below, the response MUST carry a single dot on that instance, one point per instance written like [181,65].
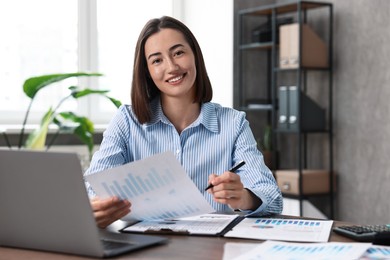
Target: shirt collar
[207,117]
[157,113]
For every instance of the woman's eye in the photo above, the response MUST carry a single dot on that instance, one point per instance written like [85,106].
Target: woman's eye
[178,53]
[156,61]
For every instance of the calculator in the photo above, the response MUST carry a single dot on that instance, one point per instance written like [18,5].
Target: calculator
[362,233]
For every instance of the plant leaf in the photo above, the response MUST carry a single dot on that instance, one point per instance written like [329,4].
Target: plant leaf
[116,102]
[83,127]
[32,85]
[81,93]
[267,141]
[37,139]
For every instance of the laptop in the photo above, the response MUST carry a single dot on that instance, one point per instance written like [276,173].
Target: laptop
[44,206]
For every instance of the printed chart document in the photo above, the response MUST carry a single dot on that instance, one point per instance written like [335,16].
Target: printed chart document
[271,250]
[158,188]
[297,230]
[377,252]
[207,224]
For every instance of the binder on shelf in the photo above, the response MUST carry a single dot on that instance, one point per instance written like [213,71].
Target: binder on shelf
[313,116]
[293,107]
[314,51]
[283,108]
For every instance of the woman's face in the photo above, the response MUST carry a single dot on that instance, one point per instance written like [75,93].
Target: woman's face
[171,63]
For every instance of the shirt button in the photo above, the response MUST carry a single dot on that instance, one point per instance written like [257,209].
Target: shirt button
[178,151]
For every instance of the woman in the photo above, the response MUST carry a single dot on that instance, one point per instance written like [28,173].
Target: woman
[171,111]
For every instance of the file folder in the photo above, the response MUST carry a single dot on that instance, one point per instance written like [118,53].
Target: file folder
[314,51]
[293,106]
[291,100]
[312,115]
[283,108]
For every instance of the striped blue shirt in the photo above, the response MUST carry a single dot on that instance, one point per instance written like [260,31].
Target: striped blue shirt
[217,140]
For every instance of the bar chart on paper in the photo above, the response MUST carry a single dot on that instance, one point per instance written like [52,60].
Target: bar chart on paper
[378,252]
[325,251]
[134,186]
[298,230]
[157,187]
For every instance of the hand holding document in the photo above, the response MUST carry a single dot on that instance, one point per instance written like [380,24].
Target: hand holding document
[158,188]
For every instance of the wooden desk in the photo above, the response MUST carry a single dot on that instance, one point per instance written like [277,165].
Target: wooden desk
[178,247]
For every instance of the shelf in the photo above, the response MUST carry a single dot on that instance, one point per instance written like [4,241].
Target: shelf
[301,68]
[302,197]
[286,93]
[282,8]
[257,107]
[325,131]
[256,46]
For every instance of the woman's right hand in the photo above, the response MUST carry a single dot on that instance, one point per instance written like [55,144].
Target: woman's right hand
[107,211]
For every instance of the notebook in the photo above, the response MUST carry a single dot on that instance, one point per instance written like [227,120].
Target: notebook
[44,206]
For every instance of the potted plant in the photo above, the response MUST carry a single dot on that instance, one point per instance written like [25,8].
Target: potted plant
[67,121]
[265,146]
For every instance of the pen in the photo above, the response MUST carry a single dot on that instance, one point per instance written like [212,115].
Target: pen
[233,169]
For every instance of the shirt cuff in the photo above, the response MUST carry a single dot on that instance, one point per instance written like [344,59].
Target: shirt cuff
[260,210]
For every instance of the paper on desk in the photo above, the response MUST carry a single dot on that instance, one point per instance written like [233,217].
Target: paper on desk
[232,250]
[271,250]
[297,230]
[377,252]
[157,187]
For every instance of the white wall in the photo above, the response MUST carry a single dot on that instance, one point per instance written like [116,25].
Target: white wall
[211,21]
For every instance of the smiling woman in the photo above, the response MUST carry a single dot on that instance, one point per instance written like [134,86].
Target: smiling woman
[171,65]
[81,37]
[171,62]
[172,111]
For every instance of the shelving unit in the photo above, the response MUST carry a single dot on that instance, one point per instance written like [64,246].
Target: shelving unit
[257,88]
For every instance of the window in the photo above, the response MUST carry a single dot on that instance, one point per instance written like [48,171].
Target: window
[118,26]
[38,37]
[45,36]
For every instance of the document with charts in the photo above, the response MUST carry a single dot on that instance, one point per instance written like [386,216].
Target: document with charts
[157,187]
[270,250]
[297,230]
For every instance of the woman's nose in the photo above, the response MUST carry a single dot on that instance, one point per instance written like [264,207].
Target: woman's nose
[172,65]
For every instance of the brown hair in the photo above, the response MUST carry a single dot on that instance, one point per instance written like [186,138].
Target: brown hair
[143,89]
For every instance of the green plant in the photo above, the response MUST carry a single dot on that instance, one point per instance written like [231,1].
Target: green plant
[266,143]
[67,121]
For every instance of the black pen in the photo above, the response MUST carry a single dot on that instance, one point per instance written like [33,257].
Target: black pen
[233,169]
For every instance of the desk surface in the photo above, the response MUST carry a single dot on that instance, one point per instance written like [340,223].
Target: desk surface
[178,247]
